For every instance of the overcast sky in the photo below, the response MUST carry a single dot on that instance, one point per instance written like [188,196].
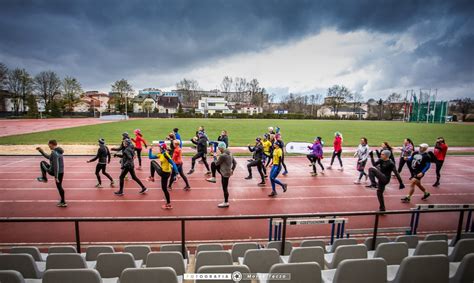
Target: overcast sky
[372,47]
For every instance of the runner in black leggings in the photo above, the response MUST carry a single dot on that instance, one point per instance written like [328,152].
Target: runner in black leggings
[126,161]
[282,146]
[201,144]
[164,171]
[103,155]
[337,150]
[257,161]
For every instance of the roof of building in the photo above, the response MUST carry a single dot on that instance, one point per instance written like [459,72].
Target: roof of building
[168,102]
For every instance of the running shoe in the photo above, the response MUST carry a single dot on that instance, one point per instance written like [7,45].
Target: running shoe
[61,204]
[314,174]
[261,184]
[329,167]
[436,184]
[143,191]
[170,188]
[285,187]
[357,182]
[99,186]
[273,194]
[341,169]
[285,173]
[405,200]
[223,205]
[191,172]
[150,179]
[371,186]
[118,193]
[208,173]
[248,178]
[42,180]
[167,206]
[425,196]
[187,188]
[211,180]
[112,184]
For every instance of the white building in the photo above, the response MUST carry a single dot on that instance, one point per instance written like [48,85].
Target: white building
[211,105]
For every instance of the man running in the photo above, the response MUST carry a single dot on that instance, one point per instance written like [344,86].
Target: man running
[440,150]
[127,166]
[225,165]
[419,162]
[54,168]
[337,150]
[201,144]
[316,155]
[103,155]
[362,153]
[380,175]
[257,161]
[276,168]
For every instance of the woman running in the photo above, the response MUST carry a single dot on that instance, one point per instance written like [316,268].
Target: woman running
[139,140]
[257,160]
[316,155]
[440,150]
[386,146]
[103,155]
[419,162]
[282,147]
[380,175]
[276,168]
[178,160]
[225,165]
[337,150]
[362,153]
[164,170]
[201,144]
[407,150]
[127,166]
[267,151]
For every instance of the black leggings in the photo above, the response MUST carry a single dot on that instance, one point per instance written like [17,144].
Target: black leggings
[45,170]
[383,180]
[181,173]
[139,156]
[196,157]
[261,169]
[314,159]
[338,154]
[283,162]
[154,167]
[124,173]
[102,167]
[439,165]
[164,182]
[225,180]
[402,163]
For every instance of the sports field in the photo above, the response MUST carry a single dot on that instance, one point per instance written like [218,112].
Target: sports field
[243,131]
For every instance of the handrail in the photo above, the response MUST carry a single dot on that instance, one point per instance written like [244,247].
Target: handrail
[414,212]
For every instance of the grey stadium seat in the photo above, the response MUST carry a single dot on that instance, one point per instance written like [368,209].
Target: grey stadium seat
[436,237]
[393,253]
[433,247]
[72,276]
[167,259]
[139,252]
[93,252]
[62,250]
[112,265]
[23,263]
[313,243]
[65,261]
[341,242]
[213,258]
[305,272]
[260,261]
[430,268]
[33,251]
[209,247]
[378,241]
[411,240]
[462,248]
[147,275]
[307,254]
[358,270]
[11,276]
[277,245]
[345,252]
[239,249]
[464,272]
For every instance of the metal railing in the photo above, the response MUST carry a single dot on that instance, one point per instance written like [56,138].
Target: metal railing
[415,214]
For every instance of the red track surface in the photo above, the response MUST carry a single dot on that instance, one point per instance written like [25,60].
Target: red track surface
[22,196]
[24,126]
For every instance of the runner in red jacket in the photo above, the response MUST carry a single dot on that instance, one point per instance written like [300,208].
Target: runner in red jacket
[337,150]
[138,141]
[440,150]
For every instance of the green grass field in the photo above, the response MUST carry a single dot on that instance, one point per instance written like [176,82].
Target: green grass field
[244,131]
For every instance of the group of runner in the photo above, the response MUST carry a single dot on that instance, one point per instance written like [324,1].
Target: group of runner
[267,153]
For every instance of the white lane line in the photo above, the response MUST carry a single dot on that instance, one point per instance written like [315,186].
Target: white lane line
[14,162]
[231,199]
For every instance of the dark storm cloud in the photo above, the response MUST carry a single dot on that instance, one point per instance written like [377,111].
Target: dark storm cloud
[101,41]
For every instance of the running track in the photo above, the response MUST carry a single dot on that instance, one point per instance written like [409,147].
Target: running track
[22,196]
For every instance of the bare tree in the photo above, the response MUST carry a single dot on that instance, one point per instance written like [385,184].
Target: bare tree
[47,85]
[71,92]
[14,85]
[3,75]
[240,87]
[188,86]
[26,88]
[314,100]
[256,94]
[357,99]
[338,95]
[226,84]
[393,105]
[464,106]
[124,90]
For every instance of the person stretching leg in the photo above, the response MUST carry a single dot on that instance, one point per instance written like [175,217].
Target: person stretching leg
[128,167]
[164,171]
[316,155]
[178,160]
[420,163]
[256,161]
[103,155]
[276,168]
[138,140]
[362,153]
[201,144]
[54,168]
[225,165]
